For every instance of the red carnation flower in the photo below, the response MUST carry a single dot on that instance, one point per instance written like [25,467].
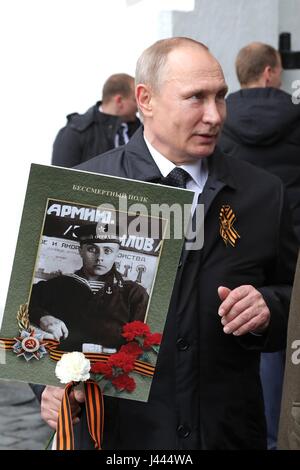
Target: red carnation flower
[124,382]
[132,349]
[135,328]
[102,368]
[151,340]
[122,361]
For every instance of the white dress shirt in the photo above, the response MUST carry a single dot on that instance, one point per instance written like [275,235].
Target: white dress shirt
[197,170]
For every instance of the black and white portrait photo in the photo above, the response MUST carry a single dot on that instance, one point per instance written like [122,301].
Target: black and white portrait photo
[88,281]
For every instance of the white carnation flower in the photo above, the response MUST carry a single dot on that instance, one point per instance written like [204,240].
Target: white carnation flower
[73,367]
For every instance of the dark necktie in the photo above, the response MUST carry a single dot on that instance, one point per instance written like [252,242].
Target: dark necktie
[177,177]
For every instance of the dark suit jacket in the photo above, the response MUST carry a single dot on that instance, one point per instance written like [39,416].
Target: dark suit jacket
[206,392]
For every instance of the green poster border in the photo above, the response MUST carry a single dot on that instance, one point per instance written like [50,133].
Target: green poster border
[47,182]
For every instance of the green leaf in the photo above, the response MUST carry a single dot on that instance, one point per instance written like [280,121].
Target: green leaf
[145,357]
[97,377]
[107,386]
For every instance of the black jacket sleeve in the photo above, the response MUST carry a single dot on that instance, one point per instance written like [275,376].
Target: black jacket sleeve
[37,390]
[67,150]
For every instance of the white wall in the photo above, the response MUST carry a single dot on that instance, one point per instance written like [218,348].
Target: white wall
[226,26]
[55,57]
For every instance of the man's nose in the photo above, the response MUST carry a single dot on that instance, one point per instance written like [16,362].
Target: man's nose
[212,113]
[99,254]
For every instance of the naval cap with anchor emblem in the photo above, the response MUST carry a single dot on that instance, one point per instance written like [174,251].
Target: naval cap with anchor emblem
[98,233]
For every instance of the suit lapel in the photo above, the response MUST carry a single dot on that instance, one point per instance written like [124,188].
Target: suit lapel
[139,162]
[218,178]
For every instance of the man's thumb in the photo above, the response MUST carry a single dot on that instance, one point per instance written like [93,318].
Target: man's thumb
[223,292]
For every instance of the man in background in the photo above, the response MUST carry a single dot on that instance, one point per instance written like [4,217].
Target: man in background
[106,125]
[262,124]
[263,128]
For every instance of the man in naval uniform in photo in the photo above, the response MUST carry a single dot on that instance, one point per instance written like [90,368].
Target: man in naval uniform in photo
[87,310]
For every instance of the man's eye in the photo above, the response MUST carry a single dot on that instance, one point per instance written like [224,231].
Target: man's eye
[221,96]
[91,249]
[107,251]
[197,96]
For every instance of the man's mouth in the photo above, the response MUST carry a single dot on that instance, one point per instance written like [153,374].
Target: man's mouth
[207,137]
[207,134]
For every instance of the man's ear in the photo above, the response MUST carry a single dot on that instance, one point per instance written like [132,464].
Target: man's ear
[143,96]
[118,100]
[267,75]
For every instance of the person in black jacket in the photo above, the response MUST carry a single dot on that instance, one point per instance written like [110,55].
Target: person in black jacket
[262,124]
[106,125]
[230,299]
[263,128]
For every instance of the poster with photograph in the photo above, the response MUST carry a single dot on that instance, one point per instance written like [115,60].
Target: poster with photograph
[85,289]
[93,273]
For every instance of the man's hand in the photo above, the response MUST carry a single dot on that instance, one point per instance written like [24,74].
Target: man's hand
[243,310]
[51,401]
[54,326]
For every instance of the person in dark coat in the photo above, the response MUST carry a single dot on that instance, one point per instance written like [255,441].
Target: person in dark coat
[263,128]
[106,125]
[230,299]
[263,125]
[87,310]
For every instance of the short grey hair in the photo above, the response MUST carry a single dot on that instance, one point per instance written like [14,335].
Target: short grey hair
[151,64]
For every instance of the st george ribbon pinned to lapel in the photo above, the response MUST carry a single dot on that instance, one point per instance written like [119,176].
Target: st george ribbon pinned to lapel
[227,231]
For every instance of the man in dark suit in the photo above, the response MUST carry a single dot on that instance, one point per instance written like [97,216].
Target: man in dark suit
[231,298]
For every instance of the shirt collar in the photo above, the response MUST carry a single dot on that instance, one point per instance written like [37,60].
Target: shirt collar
[197,170]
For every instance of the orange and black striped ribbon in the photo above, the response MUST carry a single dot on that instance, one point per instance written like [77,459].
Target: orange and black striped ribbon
[141,367]
[93,397]
[227,231]
[94,412]
[64,433]
[7,343]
